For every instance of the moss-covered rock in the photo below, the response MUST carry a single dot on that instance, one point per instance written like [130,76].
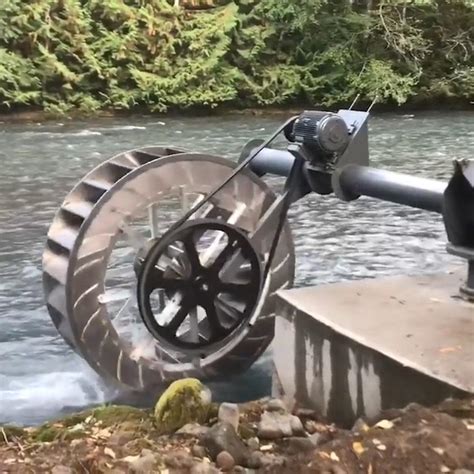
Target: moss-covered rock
[184,401]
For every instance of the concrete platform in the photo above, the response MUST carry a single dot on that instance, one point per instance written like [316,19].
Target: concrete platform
[354,348]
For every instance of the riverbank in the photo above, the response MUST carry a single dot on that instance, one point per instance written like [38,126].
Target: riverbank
[268,438]
[40,116]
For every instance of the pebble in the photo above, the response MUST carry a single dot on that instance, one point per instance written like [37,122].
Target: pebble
[225,461]
[229,413]
[253,443]
[274,425]
[318,439]
[193,429]
[296,426]
[179,460]
[269,461]
[306,413]
[300,445]
[276,405]
[255,460]
[222,437]
[198,451]
[260,460]
[144,463]
[311,426]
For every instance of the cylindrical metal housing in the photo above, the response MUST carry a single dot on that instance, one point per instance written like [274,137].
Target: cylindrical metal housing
[278,162]
[353,181]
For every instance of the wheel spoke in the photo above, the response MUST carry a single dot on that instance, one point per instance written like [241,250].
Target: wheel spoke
[191,251]
[223,257]
[194,325]
[178,318]
[157,280]
[214,323]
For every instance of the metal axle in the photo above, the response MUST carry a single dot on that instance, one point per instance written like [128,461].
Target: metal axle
[353,181]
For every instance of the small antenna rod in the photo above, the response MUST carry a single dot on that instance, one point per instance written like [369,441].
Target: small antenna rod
[373,103]
[354,102]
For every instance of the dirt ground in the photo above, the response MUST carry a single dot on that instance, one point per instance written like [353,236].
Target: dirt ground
[118,439]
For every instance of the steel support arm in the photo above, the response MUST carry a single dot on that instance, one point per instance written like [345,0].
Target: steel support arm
[353,181]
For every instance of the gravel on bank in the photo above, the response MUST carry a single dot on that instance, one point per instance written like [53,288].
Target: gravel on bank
[260,436]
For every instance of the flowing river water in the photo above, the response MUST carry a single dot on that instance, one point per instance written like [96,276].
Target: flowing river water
[40,376]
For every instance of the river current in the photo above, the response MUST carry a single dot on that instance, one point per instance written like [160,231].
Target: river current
[40,376]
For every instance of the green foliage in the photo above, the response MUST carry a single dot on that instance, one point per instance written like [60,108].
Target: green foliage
[88,55]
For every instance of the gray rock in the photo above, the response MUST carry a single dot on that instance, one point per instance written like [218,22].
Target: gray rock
[203,468]
[306,413]
[296,426]
[61,470]
[193,430]
[320,438]
[271,460]
[225,461]
[300,445]
[311,426]
[255,460]
[144,464]
[274,425]
[179,460]
[463,471]
[276,405]
[229,412]
[198,451]
[253,443]
[222,437]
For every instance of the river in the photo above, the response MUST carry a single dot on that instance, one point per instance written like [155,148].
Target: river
[40,376]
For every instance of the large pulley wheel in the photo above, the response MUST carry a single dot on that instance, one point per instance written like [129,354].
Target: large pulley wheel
[100,241]
[200,321]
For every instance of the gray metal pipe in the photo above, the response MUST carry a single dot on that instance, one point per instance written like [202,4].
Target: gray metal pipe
[356,180]
[278,162]
[352,181]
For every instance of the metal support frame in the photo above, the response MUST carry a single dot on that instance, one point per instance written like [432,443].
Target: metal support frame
[350,176]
